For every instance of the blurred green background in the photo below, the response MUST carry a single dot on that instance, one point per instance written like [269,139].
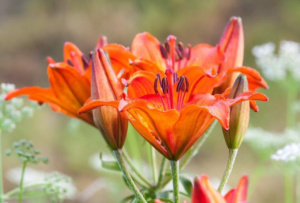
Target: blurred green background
[31,30]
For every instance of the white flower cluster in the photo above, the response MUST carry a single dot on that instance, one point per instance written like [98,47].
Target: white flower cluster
[13,111]
[55,183]
[261,139]
[288,153]
[277,66]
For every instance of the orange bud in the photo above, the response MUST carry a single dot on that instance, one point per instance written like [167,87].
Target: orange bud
[232,44]
[105,86]
[239,115]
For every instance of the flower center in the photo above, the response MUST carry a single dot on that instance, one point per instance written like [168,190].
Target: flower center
[176,57]
[173,89]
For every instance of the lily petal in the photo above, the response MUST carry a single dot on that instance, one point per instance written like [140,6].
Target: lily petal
[146,46]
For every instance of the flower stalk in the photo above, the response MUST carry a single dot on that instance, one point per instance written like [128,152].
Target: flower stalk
[1,180]
[175,176]
[153,163]
[229,167]
[120,159]
[22,181]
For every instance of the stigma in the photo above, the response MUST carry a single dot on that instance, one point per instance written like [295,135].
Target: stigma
[176,56]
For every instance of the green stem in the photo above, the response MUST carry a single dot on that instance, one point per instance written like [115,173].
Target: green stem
[1,175]
[21,182]
[193,151]
[161,172]
[153,163]
[175,175]
[134,169]
[119,157]
[227,172]
[288,187]
[17,190]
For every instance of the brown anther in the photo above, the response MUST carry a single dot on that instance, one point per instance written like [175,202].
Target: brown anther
[175,78]
[155,85]
[181,80]
[85,61]
[188,52]
[165,85]
[179,54]
[163,51]
[167,46]
[181,48]
[159,79]
[70,63]
[187,84]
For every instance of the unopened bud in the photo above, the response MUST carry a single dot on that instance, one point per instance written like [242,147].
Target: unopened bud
[239,115]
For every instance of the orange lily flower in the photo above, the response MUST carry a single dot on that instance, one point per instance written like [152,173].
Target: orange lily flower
[232,45]
[168,116]
[203,192]
[70,80]
[106,87]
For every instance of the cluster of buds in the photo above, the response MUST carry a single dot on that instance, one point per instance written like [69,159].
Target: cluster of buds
[26,152]
[13,111]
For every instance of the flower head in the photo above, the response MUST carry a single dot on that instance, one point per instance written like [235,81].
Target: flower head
[168,116]
[70,80]
[203,192]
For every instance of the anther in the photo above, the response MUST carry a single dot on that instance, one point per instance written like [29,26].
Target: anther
[188,52]
[163,51]
[187,84]
[179,53]
[155,85]
[159,79]
[175,78]
[181,80]
[167,46]
[85,61]
[70,63]
[165,85]
[181,49]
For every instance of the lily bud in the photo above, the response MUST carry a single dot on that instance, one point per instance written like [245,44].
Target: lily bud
[105,87]
[232,45]
[239,115]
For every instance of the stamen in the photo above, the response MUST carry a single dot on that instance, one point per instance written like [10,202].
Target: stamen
[167,46]
[188,52]
[155,85]
[85,61]
[175,78]
[163,51]
[181,79]
[187,84]
[70,63]
[159,79]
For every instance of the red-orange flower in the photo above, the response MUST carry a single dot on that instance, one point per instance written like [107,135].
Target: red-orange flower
[168,116]
[70,80]
[203,192]
[232,45]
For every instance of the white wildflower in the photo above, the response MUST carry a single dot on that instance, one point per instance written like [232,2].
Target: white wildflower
[288,153]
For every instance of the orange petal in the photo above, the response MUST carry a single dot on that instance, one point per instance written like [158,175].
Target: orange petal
[90,105]
[102,42]
[146,46]
[73,54]
[154,125]
[189,127]
[104,82]
[206,56]
[232,44]
[140,84]
[218,108]
[253,76]
[146,65]
[241,190]
[203,192]
[120,57]
[247,96]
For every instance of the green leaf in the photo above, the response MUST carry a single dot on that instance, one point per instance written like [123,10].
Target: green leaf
[126,199]
[109,165]
[186,184]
